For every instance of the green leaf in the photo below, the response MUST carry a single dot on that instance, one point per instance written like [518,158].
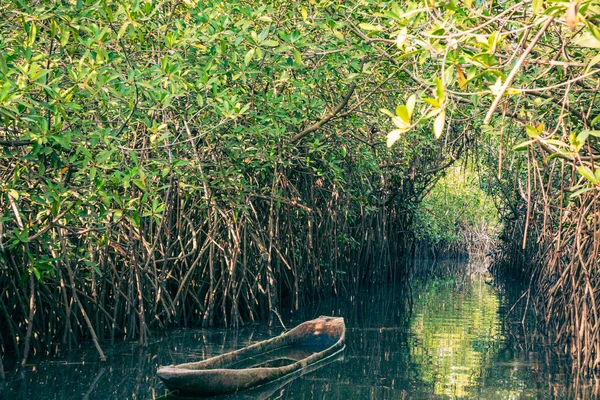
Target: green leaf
[32,34]
[593,62]
[431,101]
[587,174]
[402,112]
[297,57]
[65,33]
[4,91]
[37,273]
[581,191]
[3,65]
[587,132]
[13,193]
[139,183]
[248,56]
[536,6]
[386,112]
[531,131]
[369,27]
[523,145]
[440,92]
[582,137]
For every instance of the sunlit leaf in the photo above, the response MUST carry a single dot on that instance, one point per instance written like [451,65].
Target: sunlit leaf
[369,27]
[410,105]
[393,136]
[401,37]
[496,87]
[401,123]
[402,112]
[304,14]
[438,124]
[531,131]
[386,112]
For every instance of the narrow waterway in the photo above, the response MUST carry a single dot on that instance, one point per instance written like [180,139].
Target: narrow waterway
[449,334]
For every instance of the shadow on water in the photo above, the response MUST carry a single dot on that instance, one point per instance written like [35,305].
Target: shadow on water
[449,334]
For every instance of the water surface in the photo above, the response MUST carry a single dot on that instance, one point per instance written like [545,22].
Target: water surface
[447,335]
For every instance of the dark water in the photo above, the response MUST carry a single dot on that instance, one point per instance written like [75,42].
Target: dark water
[446,335]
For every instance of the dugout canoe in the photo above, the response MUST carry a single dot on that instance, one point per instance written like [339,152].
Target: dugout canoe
[260,363]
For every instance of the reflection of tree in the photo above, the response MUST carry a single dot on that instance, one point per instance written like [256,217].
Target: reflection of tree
[456,330]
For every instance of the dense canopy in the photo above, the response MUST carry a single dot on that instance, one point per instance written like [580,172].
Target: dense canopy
[201,162]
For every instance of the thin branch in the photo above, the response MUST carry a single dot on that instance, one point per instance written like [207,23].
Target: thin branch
[515,69]
[327,117]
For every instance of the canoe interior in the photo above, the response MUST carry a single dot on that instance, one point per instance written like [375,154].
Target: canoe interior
[312,336]
[279,357]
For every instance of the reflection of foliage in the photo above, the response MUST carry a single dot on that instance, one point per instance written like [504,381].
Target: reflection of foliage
[456,329]
[457,215]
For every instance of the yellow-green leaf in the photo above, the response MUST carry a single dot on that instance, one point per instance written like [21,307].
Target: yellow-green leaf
[386,112]
[248,56]
[369,27]
[402,112]
[297,57]
[593,62]
[13,193]
[587,173]
[531,131]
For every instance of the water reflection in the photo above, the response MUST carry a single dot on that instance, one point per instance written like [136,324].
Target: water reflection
[446,335]
[455,333]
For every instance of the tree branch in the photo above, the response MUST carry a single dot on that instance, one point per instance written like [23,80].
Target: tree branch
[326,118]
[15,143]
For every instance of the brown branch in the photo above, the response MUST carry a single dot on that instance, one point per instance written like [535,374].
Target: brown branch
[15,143]
[326,118]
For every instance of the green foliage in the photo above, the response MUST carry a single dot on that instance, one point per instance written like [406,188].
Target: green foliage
[456,212]
[210,156]
[468,66]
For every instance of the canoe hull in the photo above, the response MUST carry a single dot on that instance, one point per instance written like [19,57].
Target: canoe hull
[214,376]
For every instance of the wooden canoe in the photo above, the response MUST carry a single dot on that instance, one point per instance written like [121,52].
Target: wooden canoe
[260,363]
